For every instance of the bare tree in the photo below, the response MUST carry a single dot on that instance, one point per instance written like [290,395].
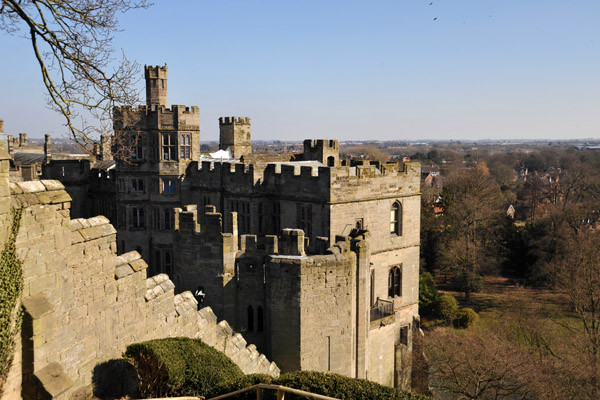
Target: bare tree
[72,44]
[576,271]
[471,201]
[472,366]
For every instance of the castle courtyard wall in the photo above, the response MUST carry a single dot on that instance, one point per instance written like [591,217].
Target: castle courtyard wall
[84,303]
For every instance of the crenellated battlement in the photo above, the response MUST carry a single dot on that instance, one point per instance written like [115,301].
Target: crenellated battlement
[321,144]
[153,72]
[234,120]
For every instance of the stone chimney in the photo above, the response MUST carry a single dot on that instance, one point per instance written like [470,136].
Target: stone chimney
[47,149]
[22,140]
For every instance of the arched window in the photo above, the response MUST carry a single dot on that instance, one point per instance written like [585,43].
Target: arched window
[331,161]
[396,219]
[250,319]
[395,281]
[260,319]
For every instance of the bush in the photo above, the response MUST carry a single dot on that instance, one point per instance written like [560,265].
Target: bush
[460,280]
[179,367]
[342,387]
[429,297]
[448,307]
[466,317]
[240,383]
[326,384]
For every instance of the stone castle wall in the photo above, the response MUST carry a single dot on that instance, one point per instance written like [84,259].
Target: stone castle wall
[84,304]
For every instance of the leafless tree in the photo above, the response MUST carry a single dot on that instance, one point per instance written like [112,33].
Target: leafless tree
[467,365]
[72,44]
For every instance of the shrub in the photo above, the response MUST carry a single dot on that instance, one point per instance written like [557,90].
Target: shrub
[429,297]
[466,317]
[342,387]
[240,383]
[179,367]
[448,307]
[461,279]
[326,384]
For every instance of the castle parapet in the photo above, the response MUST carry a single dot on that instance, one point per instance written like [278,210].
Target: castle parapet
[292,243]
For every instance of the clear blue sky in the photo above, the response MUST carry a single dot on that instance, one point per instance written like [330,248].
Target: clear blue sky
[401,69]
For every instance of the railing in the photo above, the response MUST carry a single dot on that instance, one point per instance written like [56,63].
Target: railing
[382,309]
[281,392]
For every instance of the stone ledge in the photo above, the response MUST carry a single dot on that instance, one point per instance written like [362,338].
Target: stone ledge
[54,380]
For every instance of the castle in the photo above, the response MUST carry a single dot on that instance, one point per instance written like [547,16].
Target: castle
[314,259]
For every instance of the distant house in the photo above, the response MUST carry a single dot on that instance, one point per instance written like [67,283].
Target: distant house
[510,211]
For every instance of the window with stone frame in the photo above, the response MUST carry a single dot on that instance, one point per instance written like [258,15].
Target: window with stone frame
[168,263]
[395,281]
[169,146]
[276,217]
[137,217]
[156,218]
[121,185]
[167,219]
[250,319]
[261,218]
[304,218]
[185,147]
[168,185]
[137,150]
[243,211]
[137,185]
[396,219]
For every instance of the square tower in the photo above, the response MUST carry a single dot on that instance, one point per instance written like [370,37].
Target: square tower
[156,85]
[234,133]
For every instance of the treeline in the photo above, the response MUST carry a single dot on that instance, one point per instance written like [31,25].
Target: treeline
[533,217]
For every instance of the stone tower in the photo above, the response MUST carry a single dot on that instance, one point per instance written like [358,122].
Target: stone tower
[325,151]
[156,85]
[234,133]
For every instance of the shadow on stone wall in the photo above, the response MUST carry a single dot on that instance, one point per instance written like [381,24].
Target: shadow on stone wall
[114,379]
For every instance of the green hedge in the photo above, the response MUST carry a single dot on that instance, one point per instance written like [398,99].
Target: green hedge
[466,317]
[179,367]
[448,307]
[327,384]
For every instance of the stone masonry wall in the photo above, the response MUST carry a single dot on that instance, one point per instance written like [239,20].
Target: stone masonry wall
[84,304]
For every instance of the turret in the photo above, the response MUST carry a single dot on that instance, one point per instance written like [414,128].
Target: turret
[156,85]
[234,133]
[325,151]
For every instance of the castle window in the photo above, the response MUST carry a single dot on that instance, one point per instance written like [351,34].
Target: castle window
[243,210]
[137,185]
[167,218]
[185,150]
[168,185]
[331,161]
[162,83]
[135,143]
[169,146]
[372,294]
[261,218]
[137,217]
[395,281]
[157,262]
[250,319]
[260,319]
[396,219]
[404,335]
[121,184]
[276,216]
[169,263]
[304,218]
[156,218]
